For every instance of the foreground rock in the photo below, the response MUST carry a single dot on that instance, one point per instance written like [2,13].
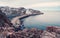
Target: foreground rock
[27,33]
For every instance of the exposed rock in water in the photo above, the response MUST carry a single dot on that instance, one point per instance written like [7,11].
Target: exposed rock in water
[53,29]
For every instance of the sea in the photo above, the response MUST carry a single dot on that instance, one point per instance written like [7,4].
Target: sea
[49,18]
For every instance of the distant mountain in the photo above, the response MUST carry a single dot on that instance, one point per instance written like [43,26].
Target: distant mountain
[13,12]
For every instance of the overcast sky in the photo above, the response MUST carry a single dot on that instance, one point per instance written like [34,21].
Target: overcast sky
[35,4]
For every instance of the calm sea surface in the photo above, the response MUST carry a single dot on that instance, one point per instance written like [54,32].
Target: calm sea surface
[42,21]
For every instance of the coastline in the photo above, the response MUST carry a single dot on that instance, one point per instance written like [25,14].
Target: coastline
[50,32]
[7,30]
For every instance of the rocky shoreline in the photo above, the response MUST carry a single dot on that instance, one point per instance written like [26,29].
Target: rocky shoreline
[50,32]
[7,30]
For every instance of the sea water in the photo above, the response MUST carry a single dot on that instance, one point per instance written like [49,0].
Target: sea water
[49,18]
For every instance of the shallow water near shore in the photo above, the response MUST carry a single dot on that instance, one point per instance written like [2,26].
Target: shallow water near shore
[51,18]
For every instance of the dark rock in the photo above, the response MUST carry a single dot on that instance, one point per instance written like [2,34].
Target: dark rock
[51,28]
[4,20]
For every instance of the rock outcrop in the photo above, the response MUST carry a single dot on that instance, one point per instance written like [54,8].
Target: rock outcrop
[30,33]
[4,21]
[51,32]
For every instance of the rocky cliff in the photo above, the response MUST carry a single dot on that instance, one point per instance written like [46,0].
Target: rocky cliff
[13,12]
[4,21]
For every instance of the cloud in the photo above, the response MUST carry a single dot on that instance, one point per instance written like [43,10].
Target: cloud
[7,4]
[34,5]
[44,4]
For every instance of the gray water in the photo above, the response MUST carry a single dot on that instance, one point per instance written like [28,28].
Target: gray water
[51,18]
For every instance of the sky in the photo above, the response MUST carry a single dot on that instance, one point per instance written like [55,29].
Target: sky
[34,4]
